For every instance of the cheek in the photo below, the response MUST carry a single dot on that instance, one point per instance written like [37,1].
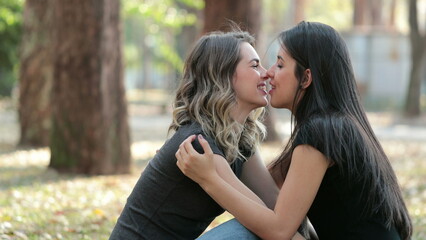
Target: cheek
[283,78]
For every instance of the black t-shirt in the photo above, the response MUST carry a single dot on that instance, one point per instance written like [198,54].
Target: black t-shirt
[337,210]
[165,204]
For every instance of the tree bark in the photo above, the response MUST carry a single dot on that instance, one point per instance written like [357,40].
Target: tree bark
[392,15]
[368,14]
[246,13]
[35,75]
[418,49]
[90,132]
[299,10]
[376,10]
[359,13]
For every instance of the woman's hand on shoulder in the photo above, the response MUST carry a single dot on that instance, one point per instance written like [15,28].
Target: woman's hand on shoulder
[199,167]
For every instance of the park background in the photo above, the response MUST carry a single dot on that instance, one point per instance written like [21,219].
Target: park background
[86,89]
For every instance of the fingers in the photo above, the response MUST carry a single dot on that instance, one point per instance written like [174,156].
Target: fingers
[186,151]
[181,153]
[178,155]
[185,146]
[204,144]
[179,159]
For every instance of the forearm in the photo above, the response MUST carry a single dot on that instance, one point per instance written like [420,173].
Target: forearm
[256,177]
[225,172]
[255,216]
[247,193]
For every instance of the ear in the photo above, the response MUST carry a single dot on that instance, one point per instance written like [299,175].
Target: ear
[307,79]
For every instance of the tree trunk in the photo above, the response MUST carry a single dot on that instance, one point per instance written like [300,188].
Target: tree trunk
[359,13]
[189,33]
[368,14]
[299,10]
[246,13]
[418,49]
[184,40]
[376,9]
[90,132]
[392,15]
[35,74]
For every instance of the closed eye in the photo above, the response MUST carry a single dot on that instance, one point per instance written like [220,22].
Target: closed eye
[255,63]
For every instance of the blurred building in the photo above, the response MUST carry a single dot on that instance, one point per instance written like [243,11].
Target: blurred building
[381,62]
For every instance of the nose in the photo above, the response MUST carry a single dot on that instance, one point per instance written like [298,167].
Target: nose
[263,73]
[270,73]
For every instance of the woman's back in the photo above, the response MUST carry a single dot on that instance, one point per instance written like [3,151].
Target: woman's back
[344,207]
[336,212]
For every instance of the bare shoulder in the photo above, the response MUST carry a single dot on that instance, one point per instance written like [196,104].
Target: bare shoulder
[307,153]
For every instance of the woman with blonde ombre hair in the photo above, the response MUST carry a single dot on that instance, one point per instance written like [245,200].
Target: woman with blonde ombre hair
[221,97]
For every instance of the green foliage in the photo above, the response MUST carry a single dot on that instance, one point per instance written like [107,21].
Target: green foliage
[151,27]
[198,4]
[161,13]
[10,35]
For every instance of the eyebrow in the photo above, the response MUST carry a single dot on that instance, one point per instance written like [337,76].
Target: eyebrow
[281,58]
[254,59]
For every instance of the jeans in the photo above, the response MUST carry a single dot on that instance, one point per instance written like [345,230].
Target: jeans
[229,230]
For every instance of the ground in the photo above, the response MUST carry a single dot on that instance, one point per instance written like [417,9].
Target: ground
[38,203]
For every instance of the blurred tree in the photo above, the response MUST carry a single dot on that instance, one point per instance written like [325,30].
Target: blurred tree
[90,132]
[418,52]
[367,13]
[378,14]
[10,34]
[35,74]
[299,10]
[359,13]
[336,13]
[246,13]
[189,32]
[187,36]
[152,35]
[392,15]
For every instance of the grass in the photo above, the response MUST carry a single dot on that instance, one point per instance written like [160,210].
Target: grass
[39,204]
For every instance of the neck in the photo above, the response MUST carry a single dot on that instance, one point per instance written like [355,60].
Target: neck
[239,116]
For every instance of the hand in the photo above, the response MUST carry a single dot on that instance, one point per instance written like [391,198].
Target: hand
[198,167]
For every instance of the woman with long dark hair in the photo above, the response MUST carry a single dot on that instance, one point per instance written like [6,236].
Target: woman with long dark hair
[333,168]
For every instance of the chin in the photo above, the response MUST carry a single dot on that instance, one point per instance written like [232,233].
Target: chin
[264,103]
[275,105]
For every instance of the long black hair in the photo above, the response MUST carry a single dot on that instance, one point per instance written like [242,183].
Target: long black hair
[330,109]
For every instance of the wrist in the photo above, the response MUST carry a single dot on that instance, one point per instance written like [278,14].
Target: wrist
[208,181]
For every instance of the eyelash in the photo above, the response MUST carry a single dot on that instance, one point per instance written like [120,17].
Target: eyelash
[255,66]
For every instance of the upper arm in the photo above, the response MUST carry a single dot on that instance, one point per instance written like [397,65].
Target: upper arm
[256,177]
[304,177]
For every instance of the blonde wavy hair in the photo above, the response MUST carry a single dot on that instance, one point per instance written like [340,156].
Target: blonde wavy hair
[206,95]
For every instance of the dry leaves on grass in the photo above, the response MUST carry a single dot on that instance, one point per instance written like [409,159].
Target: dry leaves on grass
[38,203]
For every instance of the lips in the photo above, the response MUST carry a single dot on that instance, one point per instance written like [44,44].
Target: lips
[262,87]
[272,88]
